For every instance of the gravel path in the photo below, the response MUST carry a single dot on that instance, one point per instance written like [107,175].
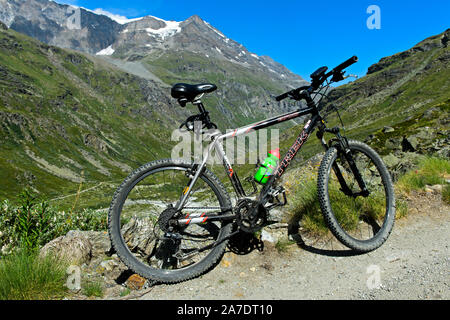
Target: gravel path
[413,264]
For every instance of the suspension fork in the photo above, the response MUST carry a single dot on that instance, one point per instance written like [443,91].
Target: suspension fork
[345,150]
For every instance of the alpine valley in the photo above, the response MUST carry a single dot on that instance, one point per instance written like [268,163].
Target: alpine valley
[85,96]
[86,104]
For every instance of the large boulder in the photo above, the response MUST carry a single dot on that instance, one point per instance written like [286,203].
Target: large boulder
[74,248]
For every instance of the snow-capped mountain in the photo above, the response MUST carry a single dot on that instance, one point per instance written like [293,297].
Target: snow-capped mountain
[102,33]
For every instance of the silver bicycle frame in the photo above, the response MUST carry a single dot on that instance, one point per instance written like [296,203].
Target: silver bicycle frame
[216,144]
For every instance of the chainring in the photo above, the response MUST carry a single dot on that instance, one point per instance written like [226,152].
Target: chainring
[250,216]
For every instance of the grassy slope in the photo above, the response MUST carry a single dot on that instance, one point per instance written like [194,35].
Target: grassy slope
[398,95]
[67,117]
[51,99]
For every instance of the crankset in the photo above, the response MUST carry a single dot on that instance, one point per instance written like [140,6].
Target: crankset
[250,215]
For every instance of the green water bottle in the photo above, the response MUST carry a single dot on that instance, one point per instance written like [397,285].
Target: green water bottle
[267,168]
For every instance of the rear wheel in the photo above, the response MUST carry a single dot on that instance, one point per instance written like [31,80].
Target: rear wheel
[361,222]
[142,229]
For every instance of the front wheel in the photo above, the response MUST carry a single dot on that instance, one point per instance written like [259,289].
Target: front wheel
[142,216]
[361,219]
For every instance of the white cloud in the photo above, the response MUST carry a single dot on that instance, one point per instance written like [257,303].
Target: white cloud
[118,18]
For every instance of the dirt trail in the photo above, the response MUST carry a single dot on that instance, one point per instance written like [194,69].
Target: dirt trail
[413,264]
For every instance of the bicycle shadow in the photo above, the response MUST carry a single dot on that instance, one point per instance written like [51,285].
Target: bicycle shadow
[244,243]
[327,247]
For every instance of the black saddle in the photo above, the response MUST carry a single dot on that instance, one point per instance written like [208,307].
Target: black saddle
[188,92]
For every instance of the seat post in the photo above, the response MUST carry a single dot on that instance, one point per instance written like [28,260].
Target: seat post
[204,114]
[200,106]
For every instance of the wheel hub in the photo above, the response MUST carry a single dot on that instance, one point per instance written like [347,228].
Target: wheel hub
[165,217]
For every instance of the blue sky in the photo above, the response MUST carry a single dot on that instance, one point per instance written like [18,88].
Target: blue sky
[303,35]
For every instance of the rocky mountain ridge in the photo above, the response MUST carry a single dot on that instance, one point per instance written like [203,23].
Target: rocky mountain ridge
[94,32]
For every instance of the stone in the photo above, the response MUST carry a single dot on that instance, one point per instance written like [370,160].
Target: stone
[3,26]
[266,236]
[137,234]
[135,282]
[437,188]
[111,269]
[392,144]
[99,240]
[387,129]
[409,144]
[75,248]
[391,161]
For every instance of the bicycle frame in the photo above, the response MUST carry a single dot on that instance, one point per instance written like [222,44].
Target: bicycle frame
[217,145]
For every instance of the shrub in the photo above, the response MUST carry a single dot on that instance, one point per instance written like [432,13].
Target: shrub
[33,222]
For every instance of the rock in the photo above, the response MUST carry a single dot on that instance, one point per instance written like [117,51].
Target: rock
[392,144]
[75,248]
[111,269]
[388,129]
[424,134]
[409,144]
[3,26]
[135,282]
[95,142]
[266,236]
[99,241]
[437,188]
[137,234]
[391,161]
[276,215]
[428,189]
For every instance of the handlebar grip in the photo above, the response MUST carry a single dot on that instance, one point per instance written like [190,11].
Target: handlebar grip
[282,97]
[346,64]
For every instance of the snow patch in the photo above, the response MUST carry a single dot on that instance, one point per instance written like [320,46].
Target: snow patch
[215,30]
[220,51]
[171,28]
[254,56]
[106,52]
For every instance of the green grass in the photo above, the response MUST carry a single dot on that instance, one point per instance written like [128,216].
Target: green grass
[282,246]
[446,194]
[303,204]
[93,288]
[304,208]
[125,292]
[26,276]
[430,171]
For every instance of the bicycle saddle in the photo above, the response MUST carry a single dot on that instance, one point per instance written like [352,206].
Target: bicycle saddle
[190,91]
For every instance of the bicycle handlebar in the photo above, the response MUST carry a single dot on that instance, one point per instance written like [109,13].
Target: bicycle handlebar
[345,64]
[336,71]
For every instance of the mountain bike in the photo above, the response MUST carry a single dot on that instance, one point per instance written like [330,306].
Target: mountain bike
[171,220]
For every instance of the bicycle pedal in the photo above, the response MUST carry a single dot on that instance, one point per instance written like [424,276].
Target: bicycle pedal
[274,193]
